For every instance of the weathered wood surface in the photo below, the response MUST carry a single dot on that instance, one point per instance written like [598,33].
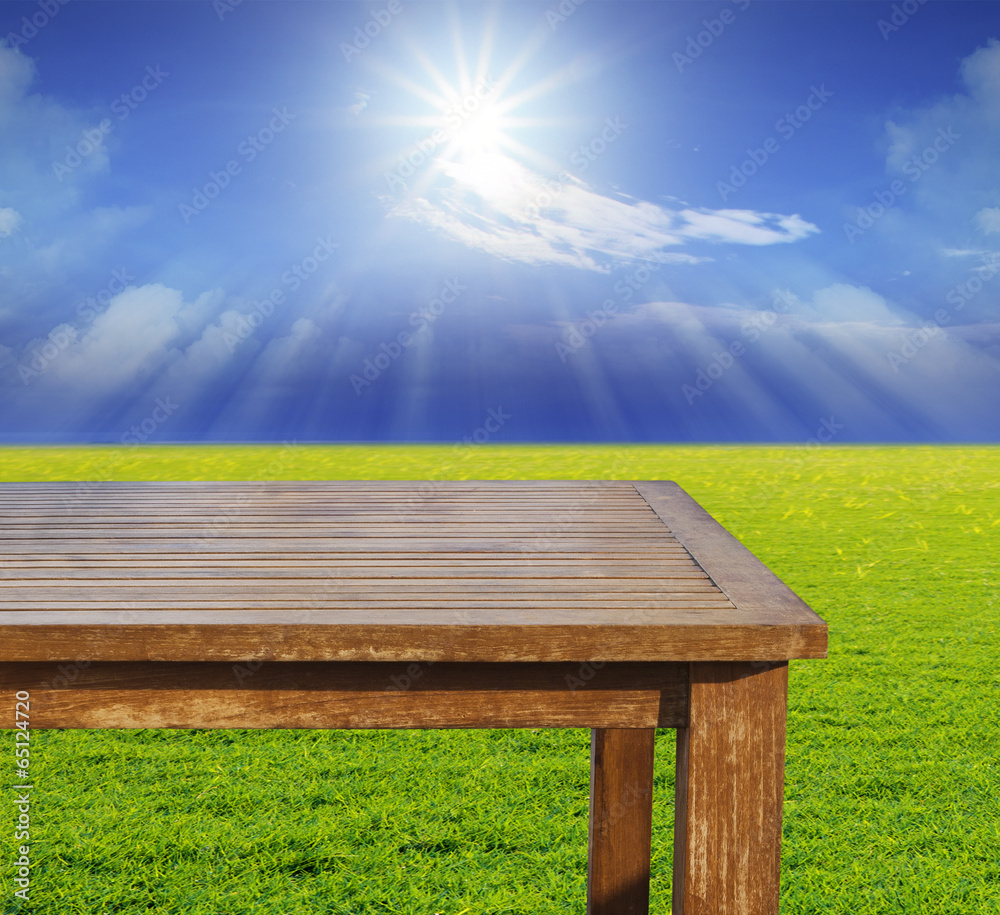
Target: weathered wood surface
[352,694]
[740,575]
[621,821]
[511,571]
[730,777]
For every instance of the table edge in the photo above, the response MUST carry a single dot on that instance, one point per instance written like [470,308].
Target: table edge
[738,573]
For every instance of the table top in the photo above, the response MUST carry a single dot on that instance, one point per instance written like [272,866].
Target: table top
[384,571]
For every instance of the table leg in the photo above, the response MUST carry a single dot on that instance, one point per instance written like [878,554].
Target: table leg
[730,778]
[621,820]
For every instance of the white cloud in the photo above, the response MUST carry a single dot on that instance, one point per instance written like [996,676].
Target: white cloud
[744,227]
[496,205]
[128,342]
[964,252]
[946,150]
[902,144]
[981,73]
[66,233]
[843,302]
[145,330]
[839,303]
[10,219]
[16,74]
[988,219]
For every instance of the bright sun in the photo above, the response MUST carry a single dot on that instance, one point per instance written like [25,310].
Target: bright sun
[467,129]
[482,131]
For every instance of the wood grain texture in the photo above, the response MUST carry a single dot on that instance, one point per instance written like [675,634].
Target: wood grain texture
[504,571]
[433,635]
[621,820]
[348,695]
[730,778]
[752,587]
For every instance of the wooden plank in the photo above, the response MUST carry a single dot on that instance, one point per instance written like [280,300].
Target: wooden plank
[375,607]
[730,776]
[124,598]
[326,529]
[86,595]
[239,594]
[524,559]
[351,695]
[352,589]
[339,571]
[605,545]
[621,820]
[748,583]
[311,519]
[550,634]
[446,576]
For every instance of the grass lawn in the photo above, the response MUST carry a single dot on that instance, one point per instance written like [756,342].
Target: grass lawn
[892,778]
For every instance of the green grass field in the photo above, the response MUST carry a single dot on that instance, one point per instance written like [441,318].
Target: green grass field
[892,769]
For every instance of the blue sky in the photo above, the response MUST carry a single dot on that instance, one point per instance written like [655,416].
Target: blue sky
[402,221]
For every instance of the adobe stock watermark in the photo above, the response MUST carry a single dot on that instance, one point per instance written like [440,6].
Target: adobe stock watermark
[594,148]
[416,669]
[825,433]
[232,512]
[786,127]
[557,14]
[22,800]
[164,407]
[495,418]
[142,430]
[389,351]
[581,158]
[119,282]
[555,533]
[958,297]
[794,461]
[635,793]
[577,334]
[47,11]
[224,7]
[246,669]
[366,34]
[93,138]
[68,673]
[61,337]
[293,277]
[456,116]
[464,448]
[723,361]
[901,14]
[584,674]
[697,43]
[249,148]
[914,169]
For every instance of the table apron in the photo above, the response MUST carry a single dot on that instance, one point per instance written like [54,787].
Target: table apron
[348,694]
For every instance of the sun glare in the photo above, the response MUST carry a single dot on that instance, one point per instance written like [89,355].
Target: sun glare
[471,134]
[482,131]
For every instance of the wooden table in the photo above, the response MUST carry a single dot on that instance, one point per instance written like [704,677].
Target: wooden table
[617,606]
